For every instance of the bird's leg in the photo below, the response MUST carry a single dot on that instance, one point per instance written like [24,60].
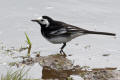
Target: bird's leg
[64,44]
[61,51]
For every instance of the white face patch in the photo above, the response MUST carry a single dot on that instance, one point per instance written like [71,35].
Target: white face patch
[43,21]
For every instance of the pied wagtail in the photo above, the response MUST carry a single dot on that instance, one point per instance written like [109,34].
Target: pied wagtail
[58,32]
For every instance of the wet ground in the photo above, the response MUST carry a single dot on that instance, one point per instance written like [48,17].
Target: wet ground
[56,67]
[90,50]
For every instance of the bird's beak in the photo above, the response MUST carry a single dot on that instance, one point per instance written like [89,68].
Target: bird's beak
[34,20]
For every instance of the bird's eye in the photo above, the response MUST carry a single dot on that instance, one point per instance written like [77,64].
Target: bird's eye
[42,20]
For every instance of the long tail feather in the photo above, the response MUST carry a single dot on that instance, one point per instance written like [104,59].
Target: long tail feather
[101,33]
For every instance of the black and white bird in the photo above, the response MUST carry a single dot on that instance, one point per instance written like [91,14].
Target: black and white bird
[58,32]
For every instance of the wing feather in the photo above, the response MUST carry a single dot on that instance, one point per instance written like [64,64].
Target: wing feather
[59,31]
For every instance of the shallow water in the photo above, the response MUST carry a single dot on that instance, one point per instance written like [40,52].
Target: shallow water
[87,50]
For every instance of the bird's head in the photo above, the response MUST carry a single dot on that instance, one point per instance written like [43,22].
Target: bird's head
[44,21]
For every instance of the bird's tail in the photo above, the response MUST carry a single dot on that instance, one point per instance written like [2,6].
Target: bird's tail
[101,33]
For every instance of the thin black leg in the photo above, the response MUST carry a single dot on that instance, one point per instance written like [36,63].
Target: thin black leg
[64,44]
[61,51]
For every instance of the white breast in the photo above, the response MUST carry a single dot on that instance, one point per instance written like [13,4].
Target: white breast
[59,40]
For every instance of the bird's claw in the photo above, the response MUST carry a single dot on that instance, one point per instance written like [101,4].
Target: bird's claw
[62,53]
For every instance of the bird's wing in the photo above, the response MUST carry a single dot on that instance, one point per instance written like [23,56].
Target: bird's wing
[59,31]
[66,29]
[74,29]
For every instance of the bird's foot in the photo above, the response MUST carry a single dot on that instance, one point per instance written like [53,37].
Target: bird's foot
[63,53]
